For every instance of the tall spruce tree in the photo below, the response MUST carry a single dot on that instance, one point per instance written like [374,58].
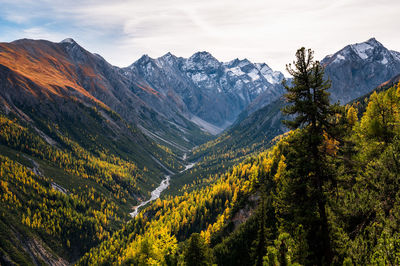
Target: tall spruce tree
[308,104]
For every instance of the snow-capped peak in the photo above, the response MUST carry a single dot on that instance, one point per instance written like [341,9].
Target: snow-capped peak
[144,58]
[167,55]
[244,62]
[68,40]
[370,50]
[201,61]
[167,59]
[237,63]
[365,49]
[373,42]
[271,76]
[202,56]
[362,49]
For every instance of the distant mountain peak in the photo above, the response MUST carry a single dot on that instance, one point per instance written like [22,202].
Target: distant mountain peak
[373,42]
[369,50]
[144,58]
[168,55]
[203,55]
[365,49]
[359,67]
[244,62]
[202,61]
[207,88]
[237,63]
[69,41]
[262,65]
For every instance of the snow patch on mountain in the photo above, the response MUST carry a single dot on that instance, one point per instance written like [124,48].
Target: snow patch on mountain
[361,49]
[68,40]
[396,55]
[339,58]
[253,74]
[271,76]
[243,63]
[236,71]
[198,77]
[201,61]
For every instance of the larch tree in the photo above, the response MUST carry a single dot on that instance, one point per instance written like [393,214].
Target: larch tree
[197,253]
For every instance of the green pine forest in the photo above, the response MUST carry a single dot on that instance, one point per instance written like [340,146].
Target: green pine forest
[324,193]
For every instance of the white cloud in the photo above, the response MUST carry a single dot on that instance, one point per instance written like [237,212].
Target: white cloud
[263,31]
[41,33]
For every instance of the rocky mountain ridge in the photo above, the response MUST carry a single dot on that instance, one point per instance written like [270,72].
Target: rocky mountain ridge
[360,67]
[205,89]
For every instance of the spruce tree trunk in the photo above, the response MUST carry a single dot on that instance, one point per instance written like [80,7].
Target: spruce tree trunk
[326,257]
[325,254]
[326,241]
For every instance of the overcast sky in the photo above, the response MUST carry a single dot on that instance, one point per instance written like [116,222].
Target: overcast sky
[260,30]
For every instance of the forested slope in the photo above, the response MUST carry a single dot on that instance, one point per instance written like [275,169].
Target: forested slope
[63,198]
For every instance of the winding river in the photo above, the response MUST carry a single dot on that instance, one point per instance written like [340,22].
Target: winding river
[155,194]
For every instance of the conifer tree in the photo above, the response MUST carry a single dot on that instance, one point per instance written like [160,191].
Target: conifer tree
[308,104]
[197,252]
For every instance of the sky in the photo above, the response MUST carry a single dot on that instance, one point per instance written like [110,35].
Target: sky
[259,30]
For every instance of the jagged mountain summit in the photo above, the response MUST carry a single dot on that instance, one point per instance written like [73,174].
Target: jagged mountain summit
[211,93]
[360,67]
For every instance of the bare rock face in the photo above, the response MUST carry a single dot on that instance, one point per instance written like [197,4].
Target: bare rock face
[216,92]
[358,68]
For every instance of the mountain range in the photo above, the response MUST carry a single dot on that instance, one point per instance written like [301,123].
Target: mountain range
[206,89]
[173,100]
[192,93]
